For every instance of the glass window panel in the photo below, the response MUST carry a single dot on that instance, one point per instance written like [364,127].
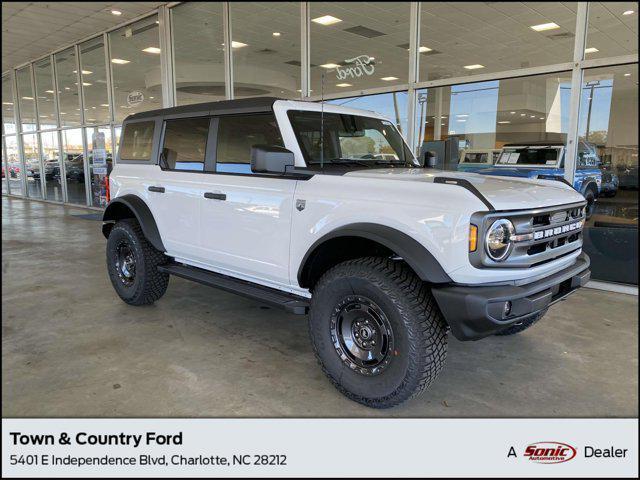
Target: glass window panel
[266,49]
[14,165]
[612,29]
[100,163]
[51,162]
[135,63]
[26,100]
[45,94]
[356,47]
[73,157]
[94,81]
[198,51]
[5,171]
[117,131]
[463,121]
[392,105]
[237,134]
[68,87]
[185,143]
[467,38]
[138,141]
[8,118]
[608,131]
[32,165]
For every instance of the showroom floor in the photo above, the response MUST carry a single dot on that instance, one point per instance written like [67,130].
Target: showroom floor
[70,347]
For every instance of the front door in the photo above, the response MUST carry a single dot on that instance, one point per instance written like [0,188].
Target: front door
[245,220]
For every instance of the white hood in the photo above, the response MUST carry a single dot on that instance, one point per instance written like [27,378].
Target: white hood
[504,193]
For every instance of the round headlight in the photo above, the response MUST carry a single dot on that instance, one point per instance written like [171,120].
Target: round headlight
[498,239]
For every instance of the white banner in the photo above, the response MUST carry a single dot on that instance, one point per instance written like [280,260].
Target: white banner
[320,447]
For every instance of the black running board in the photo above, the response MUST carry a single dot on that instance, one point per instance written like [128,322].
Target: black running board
[291,303]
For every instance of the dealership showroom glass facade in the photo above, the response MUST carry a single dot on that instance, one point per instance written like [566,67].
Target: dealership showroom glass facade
[472,77]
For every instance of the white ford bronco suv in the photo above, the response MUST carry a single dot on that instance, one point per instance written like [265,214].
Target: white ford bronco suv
[323,210]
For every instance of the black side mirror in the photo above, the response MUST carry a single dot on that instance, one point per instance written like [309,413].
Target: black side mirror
[271,159]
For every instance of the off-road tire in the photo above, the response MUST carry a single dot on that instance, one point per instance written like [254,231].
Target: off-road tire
[590,196]
[521,326]
[148,284]
[418,329]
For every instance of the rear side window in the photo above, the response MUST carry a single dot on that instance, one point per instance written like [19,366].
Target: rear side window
[137,141]
[237,134]
[185,143]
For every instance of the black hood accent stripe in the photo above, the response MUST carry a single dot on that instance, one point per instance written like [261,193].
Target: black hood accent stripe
[461,182]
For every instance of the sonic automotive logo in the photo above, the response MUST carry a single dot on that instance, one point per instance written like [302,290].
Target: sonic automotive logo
[549,452]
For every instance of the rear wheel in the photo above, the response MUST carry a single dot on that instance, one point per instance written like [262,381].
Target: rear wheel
[377,331]
[133,262]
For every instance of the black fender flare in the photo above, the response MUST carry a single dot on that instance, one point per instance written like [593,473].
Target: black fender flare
[586,183]
[414,253]
[142,214]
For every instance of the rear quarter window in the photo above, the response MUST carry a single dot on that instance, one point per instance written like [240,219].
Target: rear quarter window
[137,141]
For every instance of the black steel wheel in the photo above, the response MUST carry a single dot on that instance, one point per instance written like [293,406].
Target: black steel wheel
[362,335]
[133,262]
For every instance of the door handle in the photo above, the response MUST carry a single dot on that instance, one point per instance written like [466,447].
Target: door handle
[156,189]
[215,196]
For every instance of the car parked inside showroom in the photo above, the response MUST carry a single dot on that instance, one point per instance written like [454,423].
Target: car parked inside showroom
[474,159]
[290,203]
[545,160]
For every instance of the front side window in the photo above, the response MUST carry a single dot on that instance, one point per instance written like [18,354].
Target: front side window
[539,156]
[237,134]
[185,144]
[333,138]
[137,141]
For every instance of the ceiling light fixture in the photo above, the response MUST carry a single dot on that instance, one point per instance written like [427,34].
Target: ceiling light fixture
[628,12]
[326,20]
[462,115]
[343,85]
[389,79]
[627,74]
[424,49]
[504,121]
[151,50]
[330,65]
[460,120]
[235,44]
[49,91]
[27,98]
[276,34]
[104,104]
[544,26]
[591,50]
[119,61]
[7,103]
[512,113]
[84,72]
[523,114]
[117,13]
[475,66]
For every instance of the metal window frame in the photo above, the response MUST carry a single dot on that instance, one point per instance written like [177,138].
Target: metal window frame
[228,50]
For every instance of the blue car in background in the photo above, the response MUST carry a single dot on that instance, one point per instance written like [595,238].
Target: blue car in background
[546,160]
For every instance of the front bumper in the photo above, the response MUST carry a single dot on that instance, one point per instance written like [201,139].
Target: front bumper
[476,312]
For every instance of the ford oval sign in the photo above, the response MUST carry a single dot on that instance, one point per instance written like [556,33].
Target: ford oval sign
[135,98]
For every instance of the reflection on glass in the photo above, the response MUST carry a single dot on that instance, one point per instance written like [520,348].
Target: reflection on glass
[68,87]
[266,49]
[353,48]
[45,94]
[5,171]
[463,126]
[14,165]
[94,81]
[459,39]
[74,165]
[26,100]
[199,52]
[32,165]
[135,63]
[117,131]
[392,105]
[8,119]
[100,163]
[608,127]
[612,29]
[51,165]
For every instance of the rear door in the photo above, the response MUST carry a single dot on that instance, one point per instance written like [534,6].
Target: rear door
[179,183]
[245,217]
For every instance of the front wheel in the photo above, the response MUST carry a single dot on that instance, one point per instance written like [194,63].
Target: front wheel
[133,262]
[590,197]
[377,331]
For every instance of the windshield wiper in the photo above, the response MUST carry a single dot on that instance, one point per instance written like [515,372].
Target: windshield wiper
[349,160]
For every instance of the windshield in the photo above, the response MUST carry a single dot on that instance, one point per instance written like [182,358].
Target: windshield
[543,156]
[349,140]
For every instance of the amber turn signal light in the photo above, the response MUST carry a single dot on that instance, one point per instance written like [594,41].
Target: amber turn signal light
[473,238]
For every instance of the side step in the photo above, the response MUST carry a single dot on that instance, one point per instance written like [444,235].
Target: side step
[291,303]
